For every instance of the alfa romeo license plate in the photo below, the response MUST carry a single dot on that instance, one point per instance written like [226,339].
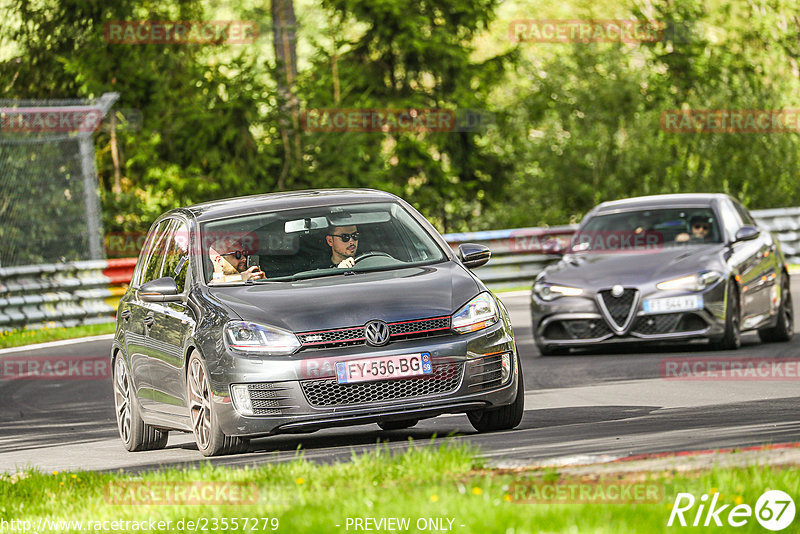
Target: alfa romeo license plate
[401,366]
[674,304]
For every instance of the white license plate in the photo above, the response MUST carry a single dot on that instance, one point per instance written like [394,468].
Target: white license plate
[401,366]
[674,304]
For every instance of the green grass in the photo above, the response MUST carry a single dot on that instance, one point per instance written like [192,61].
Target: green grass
[450,481]
[17,338]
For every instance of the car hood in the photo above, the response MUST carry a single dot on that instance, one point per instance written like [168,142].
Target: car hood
[342,301]
[599,270]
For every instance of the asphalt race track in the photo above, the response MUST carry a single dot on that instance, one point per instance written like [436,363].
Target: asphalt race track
[583,407]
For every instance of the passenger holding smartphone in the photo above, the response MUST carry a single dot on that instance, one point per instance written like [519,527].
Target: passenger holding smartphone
[230,264]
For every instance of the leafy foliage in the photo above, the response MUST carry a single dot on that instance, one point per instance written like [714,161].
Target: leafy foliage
[575,124]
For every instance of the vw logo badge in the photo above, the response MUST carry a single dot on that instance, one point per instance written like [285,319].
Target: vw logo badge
[617,291]
[376,333]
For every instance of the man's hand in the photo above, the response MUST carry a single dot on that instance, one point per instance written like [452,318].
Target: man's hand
[253,273]
[346,263]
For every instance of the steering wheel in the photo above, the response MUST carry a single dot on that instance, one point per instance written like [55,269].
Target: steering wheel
[372,255]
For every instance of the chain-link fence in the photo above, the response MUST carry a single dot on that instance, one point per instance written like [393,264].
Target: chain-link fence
[49,199]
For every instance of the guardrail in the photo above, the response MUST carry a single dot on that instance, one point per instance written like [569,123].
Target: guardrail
[62,294]
[87,292]
[785,224]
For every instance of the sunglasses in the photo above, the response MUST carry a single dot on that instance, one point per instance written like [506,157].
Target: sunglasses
[238,254]
[346,237]
[702,226]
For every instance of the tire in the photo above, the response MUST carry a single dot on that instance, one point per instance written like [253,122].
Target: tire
[136,435]
[732,339]
[210,439]
[397,425]
[504,418]
[784,326]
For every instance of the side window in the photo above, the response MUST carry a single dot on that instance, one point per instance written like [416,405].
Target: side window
[730,219]
[746,218]
[144,255]
[176,263]
[155,256]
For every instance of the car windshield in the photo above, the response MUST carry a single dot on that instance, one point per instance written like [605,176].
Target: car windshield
[647,229]
[312,242]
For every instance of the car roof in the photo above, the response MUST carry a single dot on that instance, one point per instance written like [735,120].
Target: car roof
[661,201]
[220,209]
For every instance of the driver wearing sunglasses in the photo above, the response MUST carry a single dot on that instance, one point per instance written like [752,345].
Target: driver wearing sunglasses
[343,241]
[230,264]
[701,230]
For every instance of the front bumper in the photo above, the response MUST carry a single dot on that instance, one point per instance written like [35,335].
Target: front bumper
[579,321]
[299,393]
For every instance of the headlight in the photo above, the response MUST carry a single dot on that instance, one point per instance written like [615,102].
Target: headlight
[256,339]
[548,292]
[478,313]
[694,282]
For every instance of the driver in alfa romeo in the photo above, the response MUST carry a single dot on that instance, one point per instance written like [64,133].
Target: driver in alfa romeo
[343,241]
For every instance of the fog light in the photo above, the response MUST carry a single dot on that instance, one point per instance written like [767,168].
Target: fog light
[241,399]
[505,368]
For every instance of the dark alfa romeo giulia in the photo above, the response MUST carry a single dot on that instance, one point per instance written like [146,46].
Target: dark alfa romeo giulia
[293,312]
[664,268]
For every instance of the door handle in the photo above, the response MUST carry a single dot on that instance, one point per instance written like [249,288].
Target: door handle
[149,319]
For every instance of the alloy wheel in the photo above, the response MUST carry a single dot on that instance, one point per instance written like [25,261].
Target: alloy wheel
[122,399]
[200,403]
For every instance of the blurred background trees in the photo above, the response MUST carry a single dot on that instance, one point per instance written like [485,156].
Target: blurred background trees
[575,124]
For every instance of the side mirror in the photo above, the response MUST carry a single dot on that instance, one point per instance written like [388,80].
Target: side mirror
[746,233]
[160,290]
[472,255]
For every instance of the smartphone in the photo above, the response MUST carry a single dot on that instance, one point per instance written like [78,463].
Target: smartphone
[253,259]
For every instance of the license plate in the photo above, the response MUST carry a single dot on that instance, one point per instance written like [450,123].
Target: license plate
[368,369]
[674,304]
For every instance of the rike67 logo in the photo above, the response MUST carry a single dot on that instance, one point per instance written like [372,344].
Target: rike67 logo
[774,510]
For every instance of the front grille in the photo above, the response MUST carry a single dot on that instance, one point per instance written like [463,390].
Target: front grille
[332,337]
[585,328]
[619,308]
[656,324]
[569,329]
[355,335]
[424,326]
[321,393]
[266,398]
[668,323]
